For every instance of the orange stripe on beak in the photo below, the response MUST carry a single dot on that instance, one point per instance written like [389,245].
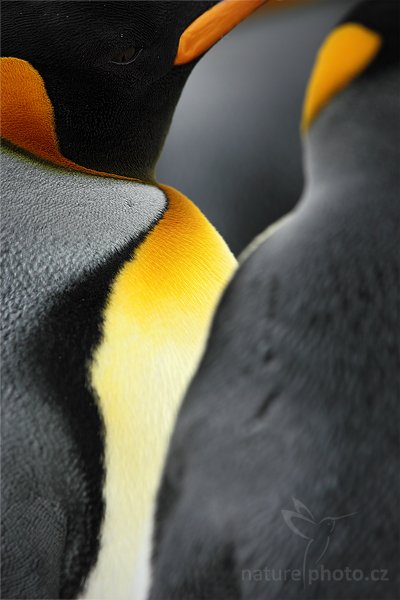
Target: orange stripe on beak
[211,26]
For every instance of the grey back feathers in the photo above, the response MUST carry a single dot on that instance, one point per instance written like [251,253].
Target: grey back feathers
[298,392]
[65,236]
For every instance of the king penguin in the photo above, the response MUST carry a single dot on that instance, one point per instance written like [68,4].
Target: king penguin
[109,281]
[282,478]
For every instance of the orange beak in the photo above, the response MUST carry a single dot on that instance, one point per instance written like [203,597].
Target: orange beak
[211,26]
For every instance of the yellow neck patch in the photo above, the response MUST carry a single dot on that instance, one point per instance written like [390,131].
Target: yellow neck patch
[345,54]
[155,327]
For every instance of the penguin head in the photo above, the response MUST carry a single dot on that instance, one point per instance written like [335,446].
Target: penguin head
[364,44]
[94,84]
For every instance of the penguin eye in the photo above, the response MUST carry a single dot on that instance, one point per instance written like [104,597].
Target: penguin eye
[126,57]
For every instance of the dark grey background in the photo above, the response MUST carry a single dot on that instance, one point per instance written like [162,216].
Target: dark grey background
[234,147]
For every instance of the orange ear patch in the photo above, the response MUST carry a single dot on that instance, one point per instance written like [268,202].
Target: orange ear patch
[27,115]
[346,54]
[211,26]
[27,118]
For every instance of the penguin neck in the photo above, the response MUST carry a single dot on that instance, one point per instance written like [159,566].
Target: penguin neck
[122,138]
[355,140]
[133,128]
[136,142]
